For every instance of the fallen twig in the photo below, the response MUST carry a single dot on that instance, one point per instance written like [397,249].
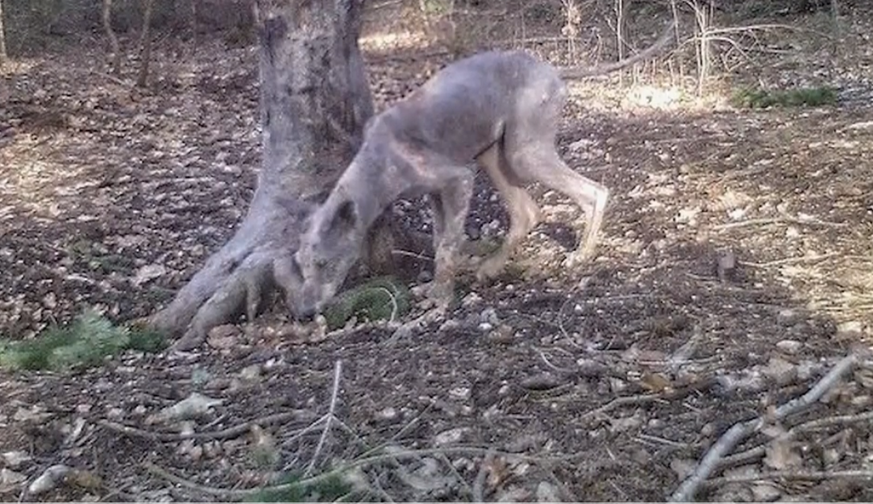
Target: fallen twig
[172,478]
[622,401]
[305,482]
[230,432]
[793,475]
[741,430]
[775,220]
[792,260]
[337,373]
[759,451]
[668,395]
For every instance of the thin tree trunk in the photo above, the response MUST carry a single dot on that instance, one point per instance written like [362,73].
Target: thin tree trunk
[3,54]
[145,45]
[195,37]
[314,102]
[113,40]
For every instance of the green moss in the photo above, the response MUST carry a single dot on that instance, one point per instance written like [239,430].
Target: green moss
[86,342]
[328,489]
[798,97]
[381,298]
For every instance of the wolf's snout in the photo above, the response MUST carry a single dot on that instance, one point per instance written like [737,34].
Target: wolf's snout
[306,313]
[308,306]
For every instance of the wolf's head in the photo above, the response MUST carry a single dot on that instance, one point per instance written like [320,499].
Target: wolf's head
[328,249]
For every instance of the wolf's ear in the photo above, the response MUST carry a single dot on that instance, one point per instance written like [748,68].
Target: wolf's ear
[345,218]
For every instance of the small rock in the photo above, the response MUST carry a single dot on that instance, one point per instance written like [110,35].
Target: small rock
[789,346]
[49,479]
[765,492]
[489,315]
[15,459]
[787,317]
[547,492]
[451,436]
[34,414]
[387,414]
[503,334]
[193,406]
[485,326]
[862,401]
[9,477]
[807,369]
[250,373]
[781,371]
[462,393]
[851,326]
[655,423]
[625,424]
[470,299]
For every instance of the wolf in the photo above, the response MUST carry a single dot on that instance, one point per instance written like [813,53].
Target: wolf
[498,110]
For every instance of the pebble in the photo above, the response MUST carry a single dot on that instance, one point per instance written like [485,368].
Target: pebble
[451,436]
[780,370]
[787,317]
[489,315]
[789,346]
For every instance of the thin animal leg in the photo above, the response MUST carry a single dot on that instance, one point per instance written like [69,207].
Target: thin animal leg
[524,214]
[541,162]
[454,199]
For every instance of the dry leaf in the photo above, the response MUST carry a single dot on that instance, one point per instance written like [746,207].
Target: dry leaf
[780,455]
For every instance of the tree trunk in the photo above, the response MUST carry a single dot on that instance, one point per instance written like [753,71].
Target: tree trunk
[145,45]
[315,100]
[113,40]
[3,55]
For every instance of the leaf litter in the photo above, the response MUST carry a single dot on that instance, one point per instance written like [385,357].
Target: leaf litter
[111,197]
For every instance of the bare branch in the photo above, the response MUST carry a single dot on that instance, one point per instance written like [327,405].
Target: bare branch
[735,434]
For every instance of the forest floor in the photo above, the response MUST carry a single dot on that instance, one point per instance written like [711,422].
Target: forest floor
[735,270]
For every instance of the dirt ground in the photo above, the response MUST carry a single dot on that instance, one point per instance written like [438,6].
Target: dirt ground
[734,272]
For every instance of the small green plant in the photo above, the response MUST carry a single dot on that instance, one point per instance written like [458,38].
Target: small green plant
[84,343]
[381,298]
[798,97]
[327,489]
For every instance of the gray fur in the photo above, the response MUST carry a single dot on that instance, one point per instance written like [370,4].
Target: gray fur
[499,109]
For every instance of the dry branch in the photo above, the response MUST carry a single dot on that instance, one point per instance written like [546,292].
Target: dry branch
[759,451]
[742,430]
[337,374]
[230,432]
[794,475]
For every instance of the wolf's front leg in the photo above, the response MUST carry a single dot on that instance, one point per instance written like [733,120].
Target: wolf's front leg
[451,206]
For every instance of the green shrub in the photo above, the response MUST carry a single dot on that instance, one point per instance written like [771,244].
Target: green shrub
[381,298]
[328,489]
[84,343]
[798,97]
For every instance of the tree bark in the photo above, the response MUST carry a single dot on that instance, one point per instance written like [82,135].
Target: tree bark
[315,100]
[113,39]
[145,45]
[3,54]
